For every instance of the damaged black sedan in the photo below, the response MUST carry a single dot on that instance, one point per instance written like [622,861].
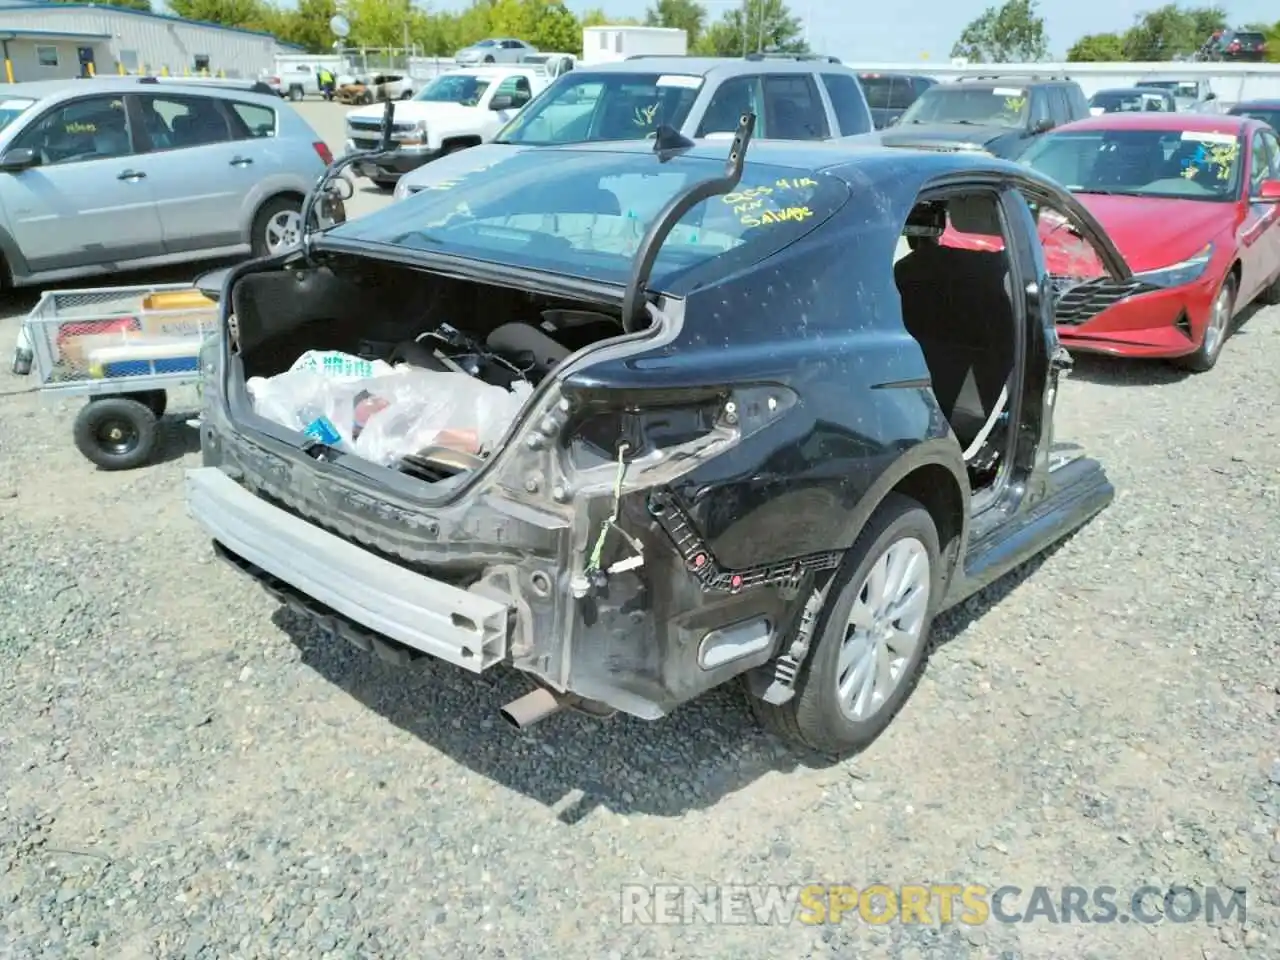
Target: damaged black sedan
[639,419]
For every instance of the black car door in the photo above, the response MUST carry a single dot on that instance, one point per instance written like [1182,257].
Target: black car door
[1043,210]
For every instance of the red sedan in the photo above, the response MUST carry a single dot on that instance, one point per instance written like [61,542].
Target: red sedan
[1190,200]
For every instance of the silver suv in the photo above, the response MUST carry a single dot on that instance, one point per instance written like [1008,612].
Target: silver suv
[113,174]
[799,98]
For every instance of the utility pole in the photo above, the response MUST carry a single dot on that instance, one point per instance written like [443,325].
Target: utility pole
[746,22]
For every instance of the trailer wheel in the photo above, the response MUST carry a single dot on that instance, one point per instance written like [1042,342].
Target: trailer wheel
[116,433]
[156,400]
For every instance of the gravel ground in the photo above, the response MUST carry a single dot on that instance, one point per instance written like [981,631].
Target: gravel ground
[188,773]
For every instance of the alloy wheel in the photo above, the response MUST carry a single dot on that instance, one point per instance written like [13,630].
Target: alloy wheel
[1219,321]
[885,627]
[284,231]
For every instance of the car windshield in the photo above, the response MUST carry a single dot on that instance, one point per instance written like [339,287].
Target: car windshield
[460,88]
[1126,101]
[956,103]
[13,108]
[1182,164]
[581,107]
[1268,115]
[887,93]
[584,213]
[1184,89]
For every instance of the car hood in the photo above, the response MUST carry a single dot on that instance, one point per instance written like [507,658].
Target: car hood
[457,164]
[414,110]
[1156,232]
[942,136]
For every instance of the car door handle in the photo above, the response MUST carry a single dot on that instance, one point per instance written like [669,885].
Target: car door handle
[241,161]
[131,175]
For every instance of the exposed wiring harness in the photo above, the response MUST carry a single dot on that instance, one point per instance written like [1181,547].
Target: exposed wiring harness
[594,569]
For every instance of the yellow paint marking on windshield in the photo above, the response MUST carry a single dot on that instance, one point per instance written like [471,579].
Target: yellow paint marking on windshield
[1222,159]
[798,184]
[1014,104]
[644,115]
[742,196]
[768,217]
[1190,172]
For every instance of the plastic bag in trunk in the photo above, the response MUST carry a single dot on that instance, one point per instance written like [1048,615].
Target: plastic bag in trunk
[395,413]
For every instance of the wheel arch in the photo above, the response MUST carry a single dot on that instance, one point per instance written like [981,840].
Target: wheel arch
[287,193]
[932,474]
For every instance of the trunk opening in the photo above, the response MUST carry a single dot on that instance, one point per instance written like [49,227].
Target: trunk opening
[451,363]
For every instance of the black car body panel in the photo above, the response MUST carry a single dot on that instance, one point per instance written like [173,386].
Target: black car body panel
[730,538]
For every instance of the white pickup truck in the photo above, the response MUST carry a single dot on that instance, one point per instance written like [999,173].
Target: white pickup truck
[456,110]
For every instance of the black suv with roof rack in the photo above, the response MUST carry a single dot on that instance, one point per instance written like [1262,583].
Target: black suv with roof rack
[889,94]
[1000,115]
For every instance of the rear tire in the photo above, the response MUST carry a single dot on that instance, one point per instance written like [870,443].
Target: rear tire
[277,225]
[888,641]
[295,94]
[116,433]
[1216,333]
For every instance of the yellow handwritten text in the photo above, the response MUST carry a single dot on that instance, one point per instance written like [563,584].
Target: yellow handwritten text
[741,196]
[81,128]
[1014,104]
[1222,159]
[644,115]
[785,215]
[800,183]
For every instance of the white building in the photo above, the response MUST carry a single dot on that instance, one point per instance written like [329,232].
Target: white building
[43,40]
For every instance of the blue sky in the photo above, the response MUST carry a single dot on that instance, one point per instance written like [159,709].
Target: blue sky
[880,31]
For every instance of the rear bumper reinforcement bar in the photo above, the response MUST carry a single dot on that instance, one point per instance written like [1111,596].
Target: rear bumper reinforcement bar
[436,618]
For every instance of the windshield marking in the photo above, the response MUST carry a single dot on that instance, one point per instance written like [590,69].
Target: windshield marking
[749,204]
[1208,136]
[644,115]
[1015,104]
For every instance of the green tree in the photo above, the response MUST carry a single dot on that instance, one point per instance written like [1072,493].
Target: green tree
[596,17]
[307,25]
[131,4]
[686,15]
[553,28]
[1171,31]
[1011,33]
[378,23]
[768,25]
[1097,47]
[232,13]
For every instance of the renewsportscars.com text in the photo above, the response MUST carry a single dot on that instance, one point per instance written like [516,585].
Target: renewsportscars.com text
[926,904]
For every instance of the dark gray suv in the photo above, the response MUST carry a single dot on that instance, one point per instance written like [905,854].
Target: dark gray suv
[997,115]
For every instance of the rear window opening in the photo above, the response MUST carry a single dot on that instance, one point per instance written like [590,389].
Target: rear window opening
[953,275]
[406,369]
